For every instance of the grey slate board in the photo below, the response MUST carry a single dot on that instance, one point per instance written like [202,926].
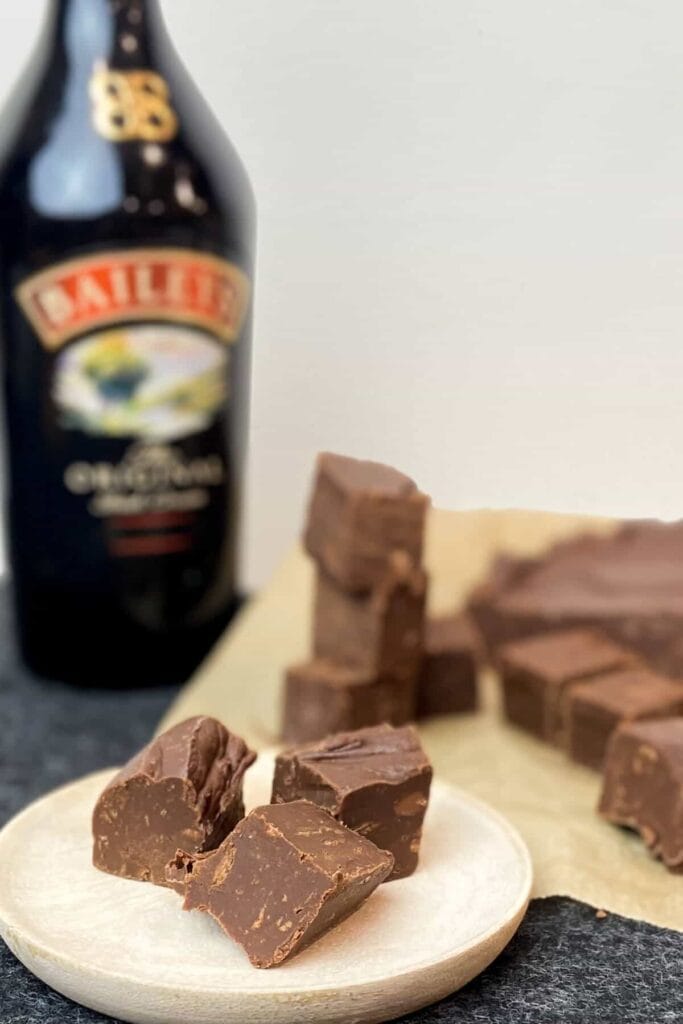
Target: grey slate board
[564,967]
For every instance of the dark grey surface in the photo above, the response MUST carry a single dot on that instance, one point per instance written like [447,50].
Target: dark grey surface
[564,967]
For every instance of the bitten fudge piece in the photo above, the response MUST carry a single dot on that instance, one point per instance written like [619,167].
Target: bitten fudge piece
[181,792]
[323,697]
[359,513]
[537,672]
[380,632]
[375,781]
[285,876]
[448,680]
[643,785]
[594,709]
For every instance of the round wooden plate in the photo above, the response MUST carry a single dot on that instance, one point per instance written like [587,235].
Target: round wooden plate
[128,949]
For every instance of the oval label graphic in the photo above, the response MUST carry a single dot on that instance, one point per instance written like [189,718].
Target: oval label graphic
[153,382]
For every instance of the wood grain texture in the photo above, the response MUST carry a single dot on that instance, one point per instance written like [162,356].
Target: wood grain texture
[551,801]
[128,949]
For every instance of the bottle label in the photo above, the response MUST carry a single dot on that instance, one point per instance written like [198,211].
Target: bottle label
[151,497]
[139,345]
[157,382]
[140,284]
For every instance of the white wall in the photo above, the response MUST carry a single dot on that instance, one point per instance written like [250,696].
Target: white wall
[471,242]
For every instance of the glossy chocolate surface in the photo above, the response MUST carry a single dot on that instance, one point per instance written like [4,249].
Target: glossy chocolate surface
[360,512]
[448,678]
[643,785]
[323,697]
[376,781]
[380,632]
[181,792]
[629,586]
[537,673]
[594,709]
[284,876]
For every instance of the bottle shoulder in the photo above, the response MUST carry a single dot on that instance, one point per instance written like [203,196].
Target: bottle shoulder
[205,137]
[61,177]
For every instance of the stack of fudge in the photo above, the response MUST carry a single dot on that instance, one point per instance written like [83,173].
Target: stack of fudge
[375,657]
[587,643]
[365,532]
[345,815]
[447,683]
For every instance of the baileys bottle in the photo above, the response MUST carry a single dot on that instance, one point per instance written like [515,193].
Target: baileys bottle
[126,270]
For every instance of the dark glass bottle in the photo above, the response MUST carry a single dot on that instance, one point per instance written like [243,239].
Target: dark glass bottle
[126,267]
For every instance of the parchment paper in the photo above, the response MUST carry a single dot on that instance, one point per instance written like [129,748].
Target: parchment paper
[550,800]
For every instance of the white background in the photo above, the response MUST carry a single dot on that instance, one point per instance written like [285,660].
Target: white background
[471,242]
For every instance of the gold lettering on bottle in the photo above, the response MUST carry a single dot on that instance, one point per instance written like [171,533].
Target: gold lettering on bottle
[120,287]
[146,293]
[132,105]
[150,477]
[227,301]
[176,284]
[56,304]
[173,285]
[89,295]
[78,478]
[205,284]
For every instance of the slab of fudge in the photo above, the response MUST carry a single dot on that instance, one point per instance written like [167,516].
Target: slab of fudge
[181,792]
[505,572]
[593,710]
[643,785]
[448,678]
[323,697]
[286,875]
[628,586]
[376,781]
[360,513]
[380,632]
[536,674]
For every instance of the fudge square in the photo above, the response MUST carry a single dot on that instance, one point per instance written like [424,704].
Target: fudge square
[448,678]
[643,785]
[286,875]
[359,513]
[182,791]
[594,709]
[380,632]
[536,674]
[323,697]
[375,781]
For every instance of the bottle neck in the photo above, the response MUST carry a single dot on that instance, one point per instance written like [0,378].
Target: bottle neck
[125,33]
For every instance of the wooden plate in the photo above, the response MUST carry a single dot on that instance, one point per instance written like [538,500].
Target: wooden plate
[129,950]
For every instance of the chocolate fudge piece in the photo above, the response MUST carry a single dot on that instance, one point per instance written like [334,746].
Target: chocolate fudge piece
[181,792]
[448,679]
[628,586]
[380,632]
[323,697]
[179,868]
[287,874]
[643,785]
[361,512]
[595,708]
[504,574]
[376,781]
[537,672]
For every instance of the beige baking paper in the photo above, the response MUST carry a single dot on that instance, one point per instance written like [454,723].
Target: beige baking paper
[549,800]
